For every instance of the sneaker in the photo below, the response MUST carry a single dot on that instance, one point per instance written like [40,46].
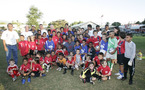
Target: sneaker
[119,77]
[59,69]
[64,72]
[123,78]
[29,79]
[92,82]
[47,70]
[23,81]
[14,79]
[130,82]
[117,74]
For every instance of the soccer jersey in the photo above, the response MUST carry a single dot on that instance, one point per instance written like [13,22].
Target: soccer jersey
[23,47]
[104,45]
[70,62]
[55,40]
[39,44]
[121,47]
[25,68]
[54,58]
[65,30]
[77,58]
[84,49]
[59,51]
[65,53]
[12,68]
[104,71]
[29,60]
[32,46]
[96,59]
[96,40]
[41,59]
[60,40]
[62,60]
[49,45]
[36,67]
[48,60]
[112,44]
[44,39]
[77,47]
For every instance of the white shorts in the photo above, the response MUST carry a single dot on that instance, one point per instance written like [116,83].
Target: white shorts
[111,56]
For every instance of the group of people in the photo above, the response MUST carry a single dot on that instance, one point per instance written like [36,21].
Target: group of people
[93,50]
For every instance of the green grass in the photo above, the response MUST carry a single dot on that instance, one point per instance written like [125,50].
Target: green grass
[55,80]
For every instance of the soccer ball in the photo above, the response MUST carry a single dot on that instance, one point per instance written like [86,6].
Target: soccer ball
[111,50]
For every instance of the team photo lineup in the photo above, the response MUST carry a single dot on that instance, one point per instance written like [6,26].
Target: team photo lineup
[94,51]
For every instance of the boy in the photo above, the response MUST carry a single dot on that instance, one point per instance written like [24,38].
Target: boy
[120,54]
[89,74]
[54,57]
[25,70]
[111,51]
[96,59]
[104,70]
[55,39]
[91,50]
[49,45]
[47,61]
[69,65]
[61,62]
[12,70]
[84,50]
[23,46]
[129,60]
[77,59]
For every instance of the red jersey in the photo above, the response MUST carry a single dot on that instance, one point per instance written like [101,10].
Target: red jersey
[36,67]
[96,59]
[70,62]
[87,63]
[29,60]
[23,47]
[54,58]
[41,60]
[44,39]
[55,40]
[121,47]
[96,40]
[25,68]
[65,30]
[52,30]
[12,68]
[105,70]
[60,40]
[48,60]
[65,53]
[32,46]
[40,44]
[59,51]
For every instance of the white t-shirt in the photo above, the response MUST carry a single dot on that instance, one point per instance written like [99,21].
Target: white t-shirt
[91,33]
[26,34]
[43,30]
[10,37]
[99,33]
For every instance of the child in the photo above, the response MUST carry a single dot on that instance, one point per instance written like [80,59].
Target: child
[32,46]
[61,62]
[49,45]
[111,51]
[87,61]
[91,50]
[104,45]
[120,54]
[139,55]
[69,65]
[129,60]
[65,51]
[25,70]
[41,60]
[44,37]
[96,59]
[40,44]
[59,50]
[54,39]
[89,74]
[60,41]
[23,46]
[12,70]
[47,61]
[54,57]
[76,46]
[104,70]
[36,68]
[77,59]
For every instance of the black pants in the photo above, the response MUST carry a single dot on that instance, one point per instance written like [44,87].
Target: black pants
[60,65]
[41,51]
[131,68]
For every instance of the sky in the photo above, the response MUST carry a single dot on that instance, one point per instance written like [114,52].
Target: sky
[123,11]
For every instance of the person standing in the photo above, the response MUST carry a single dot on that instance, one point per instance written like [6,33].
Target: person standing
[10,40]
[90,30]
[27,32]
[42,29]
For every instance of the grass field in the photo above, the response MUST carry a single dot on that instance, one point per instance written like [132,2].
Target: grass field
[55,80]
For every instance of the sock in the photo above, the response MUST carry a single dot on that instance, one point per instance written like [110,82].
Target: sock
[111,65]
[109,62]
[120,71]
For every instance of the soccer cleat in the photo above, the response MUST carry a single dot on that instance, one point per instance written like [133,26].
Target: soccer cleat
[29,79]
[23,81]
[130,82]
[92,82]
[59,69]
[117,74]
[119,77]
[64,72]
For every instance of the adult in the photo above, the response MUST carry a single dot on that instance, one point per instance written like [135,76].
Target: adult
[90,30]
[27,33]
[42,29]
[10,40]
[33,29]
[69,45]
[52,28]
[99,30]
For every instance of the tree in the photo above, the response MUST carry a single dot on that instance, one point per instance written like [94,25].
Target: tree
[74,23]
[58,23]
[33,16]
[143,22]
[138,22]
[116,24]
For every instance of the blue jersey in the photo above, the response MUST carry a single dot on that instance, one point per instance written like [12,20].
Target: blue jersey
[84,50]
[104,45]
[76,47]
[49,45]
